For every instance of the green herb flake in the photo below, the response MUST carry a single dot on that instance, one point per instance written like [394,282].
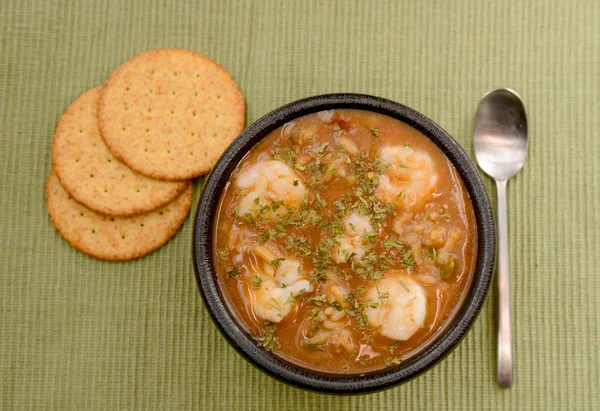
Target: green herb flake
[318,299]
[432,254]
[396,361]
[267,337]
[365,362]
[276,262]
[249,218]
[394,243]
[223,254]
[233,272]
[375,132]
[403,284]
[296,182]
[321,148]
[256,282]
[407,258]
[337,129]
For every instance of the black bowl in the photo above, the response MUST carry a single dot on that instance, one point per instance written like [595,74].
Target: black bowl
[270,363]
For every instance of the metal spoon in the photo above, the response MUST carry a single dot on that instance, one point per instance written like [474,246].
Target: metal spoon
[500,138]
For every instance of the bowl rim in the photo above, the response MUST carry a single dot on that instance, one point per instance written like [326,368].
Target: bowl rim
[278,368]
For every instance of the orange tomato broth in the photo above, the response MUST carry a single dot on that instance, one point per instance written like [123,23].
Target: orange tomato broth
[401,244]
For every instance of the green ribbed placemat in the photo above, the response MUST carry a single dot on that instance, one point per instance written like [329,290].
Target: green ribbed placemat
[77,333]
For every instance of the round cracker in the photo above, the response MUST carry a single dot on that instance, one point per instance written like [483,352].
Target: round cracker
[114,238]
[91,173]
[170,113]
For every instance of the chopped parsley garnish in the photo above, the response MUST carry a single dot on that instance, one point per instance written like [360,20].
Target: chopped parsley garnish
[318,299]
[432,254]
[394,243]
[233,272]
[375,132]
[256,282]
[365,362]
[407,258]
[223,254]
[403,284]
[276,262]
[337,129]
[321,148]
[267,337]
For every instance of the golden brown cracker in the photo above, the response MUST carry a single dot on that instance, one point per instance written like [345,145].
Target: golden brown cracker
[92,175]
[170,113]
[114,238]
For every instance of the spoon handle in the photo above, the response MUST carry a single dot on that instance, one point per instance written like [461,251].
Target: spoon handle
[505,349]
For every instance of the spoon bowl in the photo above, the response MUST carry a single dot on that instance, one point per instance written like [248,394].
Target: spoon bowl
[500,133]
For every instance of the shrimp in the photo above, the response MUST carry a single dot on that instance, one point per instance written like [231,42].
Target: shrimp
[273,303]
[275,290]
[410,178]
[399,307]
[268,182]
[351,245]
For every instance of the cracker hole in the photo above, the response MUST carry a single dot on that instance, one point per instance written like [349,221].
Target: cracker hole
[196,94]
[77,160]
[81,214]
[161,212]
[91,175]
[192,133]
[145,149]
[80,130]
[191,153]
[151,91]
[172,112]
[105,190]
[141,224]
[216,116]
[149,110]
[194,113]
[147,130]
[173,93]
[93,231]
[218,96]
[214,134]
[168,151]
[127,88]
[94,145]
[112,219]
[123,237]
[109,160]
[198,75]
[152,72]
[123,128]
[137,191]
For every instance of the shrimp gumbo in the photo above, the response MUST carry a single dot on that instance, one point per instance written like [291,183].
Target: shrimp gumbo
[345,241]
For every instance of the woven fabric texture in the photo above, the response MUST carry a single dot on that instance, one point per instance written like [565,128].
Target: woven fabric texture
[77,333]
